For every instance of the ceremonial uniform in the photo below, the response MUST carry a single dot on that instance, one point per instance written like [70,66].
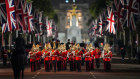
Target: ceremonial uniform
[32,60]
[70,56]
[78,59]
[64,64]
[38,59]
[54,58]
[59,60]
[74,67]
[97,54]
[92,60]
[88,59]
[107,55]
[47,60]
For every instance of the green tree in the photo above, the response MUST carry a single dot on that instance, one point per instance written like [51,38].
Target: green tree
[46,7]
[98,6]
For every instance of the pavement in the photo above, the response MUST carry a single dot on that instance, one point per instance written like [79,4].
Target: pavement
[127,69]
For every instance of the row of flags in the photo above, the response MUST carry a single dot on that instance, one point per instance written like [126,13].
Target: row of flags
[122,13]
[18,15]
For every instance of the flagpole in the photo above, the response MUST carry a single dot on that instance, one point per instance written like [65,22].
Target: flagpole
[16,33]
[2,40]
[30,38]
[10,40]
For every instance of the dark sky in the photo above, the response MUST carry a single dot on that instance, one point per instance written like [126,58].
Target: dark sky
[56,3]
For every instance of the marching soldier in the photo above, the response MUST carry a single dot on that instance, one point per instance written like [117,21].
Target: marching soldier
[87,59]
[59,59]
[47,58]
[54,56]
[97,54]
[64,55]
[91,49]
[78,56]
[70,56]
[107,55]
[32,56]
[38,56]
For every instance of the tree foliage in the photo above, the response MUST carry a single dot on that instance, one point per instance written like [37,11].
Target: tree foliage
[46,7]
[98,6]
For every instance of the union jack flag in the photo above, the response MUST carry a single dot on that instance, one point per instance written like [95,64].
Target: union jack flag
[131,10]
[18,11]
[24,14]
[111,22]
[3,15]
[11,22]
[49,27]
[94,27]
[40,21]
[30,18]
[119,14]
[100,24]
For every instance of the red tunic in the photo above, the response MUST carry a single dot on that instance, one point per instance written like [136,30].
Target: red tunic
[71,56]
[32,57]
[54,56]
[79,55]
[47,56]
[107,56]
[97,53]
[87,56]
[59,58]
[64,54]
[92,55]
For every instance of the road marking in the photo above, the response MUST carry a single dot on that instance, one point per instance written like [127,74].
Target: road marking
[92,75]
[36,75]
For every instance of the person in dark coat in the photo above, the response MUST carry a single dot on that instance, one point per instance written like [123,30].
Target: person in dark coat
[4,56]
[68,45]
[18,58]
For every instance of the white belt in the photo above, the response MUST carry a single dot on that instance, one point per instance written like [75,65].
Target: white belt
[107,57]
[47,56]
[78,56]
[87,56]
[54,55]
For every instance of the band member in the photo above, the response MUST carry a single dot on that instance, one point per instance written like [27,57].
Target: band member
[107,55]
[74,52]
[64,55]
[78,54]
[59,59]
[97,54]
[70,56]
[54,57]
[38,56]
[47,59]
[32,56]
[87,56]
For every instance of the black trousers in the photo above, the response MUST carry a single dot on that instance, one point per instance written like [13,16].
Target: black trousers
[92,64]
[65,64]
[54,65]
[33,66]
[97,62]
[88,66]
[83,60]
[78,65]
[4,61]
[47,66]
[107,66]
[75,66]
[71,65]
[59,65]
